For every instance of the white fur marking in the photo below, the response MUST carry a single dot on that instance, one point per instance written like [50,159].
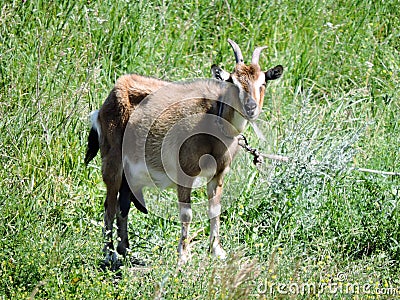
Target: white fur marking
[139,175]
[257,85]
[240,87]
[216,248]
[185,212]
[94,119]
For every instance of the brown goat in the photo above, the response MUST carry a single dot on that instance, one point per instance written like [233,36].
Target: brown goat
[197,122]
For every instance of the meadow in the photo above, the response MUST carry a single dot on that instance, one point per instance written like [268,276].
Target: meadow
[313,227]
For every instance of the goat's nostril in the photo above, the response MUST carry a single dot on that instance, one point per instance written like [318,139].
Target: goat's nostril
[251,106]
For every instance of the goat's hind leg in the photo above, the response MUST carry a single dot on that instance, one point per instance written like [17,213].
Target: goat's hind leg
[112,176]
[124,199]
[110,207]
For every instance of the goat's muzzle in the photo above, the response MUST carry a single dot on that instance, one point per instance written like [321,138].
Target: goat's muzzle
[251,109]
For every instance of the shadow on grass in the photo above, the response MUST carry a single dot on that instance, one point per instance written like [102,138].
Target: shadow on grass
[116,267]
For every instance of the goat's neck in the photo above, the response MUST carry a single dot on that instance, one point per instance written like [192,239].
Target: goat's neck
[233,122]
[238,121]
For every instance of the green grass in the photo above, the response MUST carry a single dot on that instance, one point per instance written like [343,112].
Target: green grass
[288,223]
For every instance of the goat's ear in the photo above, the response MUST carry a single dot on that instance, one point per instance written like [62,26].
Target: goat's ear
[274,73]
[220,74]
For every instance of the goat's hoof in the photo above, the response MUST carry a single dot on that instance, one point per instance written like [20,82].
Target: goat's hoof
[111,257]
[184,257]
[122,250]
[219,253]
[111,263]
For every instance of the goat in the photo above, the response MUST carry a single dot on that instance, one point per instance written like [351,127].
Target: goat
[197,122]
[106,135]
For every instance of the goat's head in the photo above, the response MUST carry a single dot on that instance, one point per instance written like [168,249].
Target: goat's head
[249,79]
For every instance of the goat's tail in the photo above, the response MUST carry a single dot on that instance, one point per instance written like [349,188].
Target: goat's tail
[93,139]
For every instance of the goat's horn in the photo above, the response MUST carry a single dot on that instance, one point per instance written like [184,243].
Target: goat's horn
[237,51]
[256,55]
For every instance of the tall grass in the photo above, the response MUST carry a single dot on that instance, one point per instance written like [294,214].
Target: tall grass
[304,221]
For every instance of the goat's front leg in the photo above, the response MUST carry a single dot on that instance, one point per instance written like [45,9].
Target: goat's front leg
[214,191]
[185,215]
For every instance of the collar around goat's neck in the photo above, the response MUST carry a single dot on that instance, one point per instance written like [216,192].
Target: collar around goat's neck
[220,108]
[230,132]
